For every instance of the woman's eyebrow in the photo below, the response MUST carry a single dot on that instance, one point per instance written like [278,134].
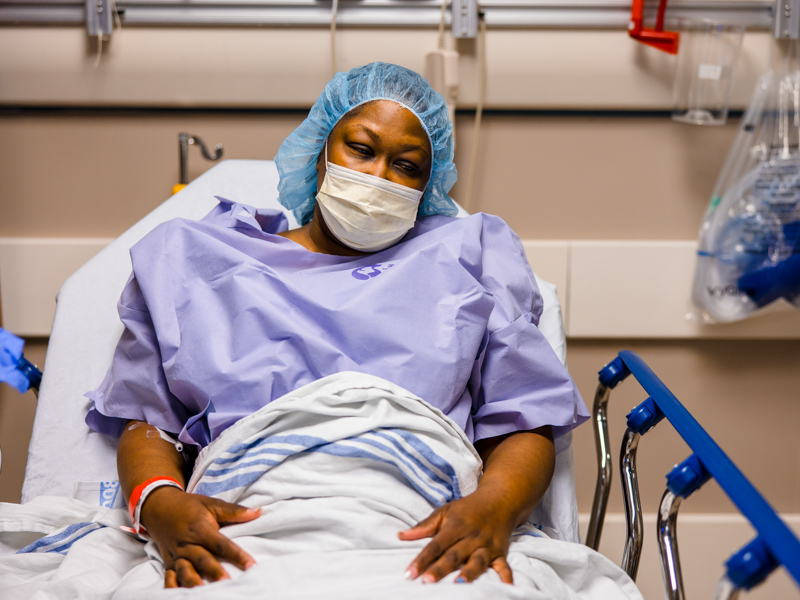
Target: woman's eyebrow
[419,147]
[374,136]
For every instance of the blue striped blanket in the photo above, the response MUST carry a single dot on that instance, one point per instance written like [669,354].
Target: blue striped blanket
[338,467]
[350,436]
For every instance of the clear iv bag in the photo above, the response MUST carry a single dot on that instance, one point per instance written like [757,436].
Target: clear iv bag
[749,246]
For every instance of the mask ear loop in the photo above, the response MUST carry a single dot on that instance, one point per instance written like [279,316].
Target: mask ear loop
[325,150]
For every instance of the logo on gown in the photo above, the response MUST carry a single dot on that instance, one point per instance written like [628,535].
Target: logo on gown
[365,273]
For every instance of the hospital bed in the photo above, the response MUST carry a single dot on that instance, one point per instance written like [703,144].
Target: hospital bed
[67,459]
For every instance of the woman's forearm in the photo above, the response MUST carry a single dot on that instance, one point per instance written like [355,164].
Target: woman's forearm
[517,470]
[184,526]
[143,454]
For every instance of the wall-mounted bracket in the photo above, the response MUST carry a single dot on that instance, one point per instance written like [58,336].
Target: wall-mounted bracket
[184,141]
[787,19]
[465,18]
[99,17]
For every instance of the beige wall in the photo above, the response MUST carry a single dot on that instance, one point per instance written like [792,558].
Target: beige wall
[551,177]
[593,175]
[286,67]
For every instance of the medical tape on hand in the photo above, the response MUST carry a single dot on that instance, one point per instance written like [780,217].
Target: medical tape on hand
[139,495]
[168,438]
[153,431]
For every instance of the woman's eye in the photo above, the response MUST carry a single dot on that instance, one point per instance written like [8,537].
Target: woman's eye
[362,150]
[407,167]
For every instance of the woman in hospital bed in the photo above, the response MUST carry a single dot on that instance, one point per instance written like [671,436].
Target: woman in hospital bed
[226,315]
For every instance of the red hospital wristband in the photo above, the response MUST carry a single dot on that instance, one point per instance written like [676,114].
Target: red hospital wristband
[140,493]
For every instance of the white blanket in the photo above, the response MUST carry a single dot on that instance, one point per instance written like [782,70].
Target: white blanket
[339,467]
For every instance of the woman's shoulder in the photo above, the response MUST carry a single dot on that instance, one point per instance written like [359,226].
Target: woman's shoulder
[482,242]
[480,231]
[227,216]
[493,253]
[478,222]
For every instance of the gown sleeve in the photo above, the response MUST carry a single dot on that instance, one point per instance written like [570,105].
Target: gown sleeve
[518,382]
[135,386]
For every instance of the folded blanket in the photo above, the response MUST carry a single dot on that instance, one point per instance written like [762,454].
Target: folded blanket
[338,467]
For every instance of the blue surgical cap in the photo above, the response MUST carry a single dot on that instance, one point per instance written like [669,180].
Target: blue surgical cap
[297,156]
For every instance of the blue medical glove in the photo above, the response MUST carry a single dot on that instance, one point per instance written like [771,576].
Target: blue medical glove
[10,356]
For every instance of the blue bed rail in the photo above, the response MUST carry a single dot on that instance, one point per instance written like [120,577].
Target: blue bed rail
[774,545]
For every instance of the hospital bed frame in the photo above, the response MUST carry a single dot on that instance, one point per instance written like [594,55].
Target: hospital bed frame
[774,544]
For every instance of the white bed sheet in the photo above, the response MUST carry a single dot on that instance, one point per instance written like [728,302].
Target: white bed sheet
[64,452]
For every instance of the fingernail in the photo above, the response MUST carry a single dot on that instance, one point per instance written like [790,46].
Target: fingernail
[428,578]
[249,563]
[461,580]
[411,573]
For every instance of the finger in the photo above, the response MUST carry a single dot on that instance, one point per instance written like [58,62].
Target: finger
[170,579]
[452,558]
[500,564]
[440,544]
[425,528]
[227,514]
[185,573]
[222,547]
[205,563]
[475,566]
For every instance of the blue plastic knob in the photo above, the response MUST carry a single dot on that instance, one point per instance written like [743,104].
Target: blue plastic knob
[687,477]
[644,417]
[613,373]
[751,565]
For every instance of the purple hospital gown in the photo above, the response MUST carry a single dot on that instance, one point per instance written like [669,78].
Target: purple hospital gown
[222,316]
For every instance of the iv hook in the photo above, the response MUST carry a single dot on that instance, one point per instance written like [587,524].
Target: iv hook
[184,140]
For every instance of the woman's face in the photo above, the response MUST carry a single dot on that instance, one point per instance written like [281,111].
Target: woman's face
[380,138]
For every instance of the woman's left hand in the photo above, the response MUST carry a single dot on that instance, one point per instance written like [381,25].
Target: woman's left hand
[472,533]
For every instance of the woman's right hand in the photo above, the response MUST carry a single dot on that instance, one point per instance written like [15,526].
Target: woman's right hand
[185,527]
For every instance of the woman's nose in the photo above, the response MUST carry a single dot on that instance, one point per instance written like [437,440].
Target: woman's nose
[379,168]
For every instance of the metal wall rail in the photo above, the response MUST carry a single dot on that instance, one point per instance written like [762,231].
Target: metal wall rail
[609,14]
[774,544]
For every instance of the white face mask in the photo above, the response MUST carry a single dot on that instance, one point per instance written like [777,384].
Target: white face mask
[365,212]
